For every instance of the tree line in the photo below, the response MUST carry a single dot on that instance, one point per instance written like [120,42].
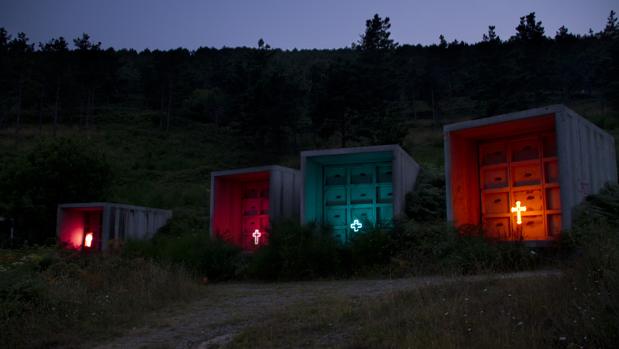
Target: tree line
[363,93]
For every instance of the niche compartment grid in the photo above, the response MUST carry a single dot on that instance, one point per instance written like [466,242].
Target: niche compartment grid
[367,184]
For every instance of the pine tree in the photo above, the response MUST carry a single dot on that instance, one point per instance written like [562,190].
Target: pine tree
[56,52]
[529,29]
[20,53]
[563,34]
[442,42]
[612,28]
[491,36]
[88,54]
[376,36]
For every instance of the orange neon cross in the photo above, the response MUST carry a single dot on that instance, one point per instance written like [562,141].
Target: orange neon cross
[519,209]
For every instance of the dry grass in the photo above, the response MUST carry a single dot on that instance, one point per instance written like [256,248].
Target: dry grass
[527,313]
[53,299]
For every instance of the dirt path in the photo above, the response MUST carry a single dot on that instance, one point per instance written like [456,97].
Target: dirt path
[226,309]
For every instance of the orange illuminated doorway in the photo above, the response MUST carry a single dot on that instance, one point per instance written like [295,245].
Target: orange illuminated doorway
[526,170]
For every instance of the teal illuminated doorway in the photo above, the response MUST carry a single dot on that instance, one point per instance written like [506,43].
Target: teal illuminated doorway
[357,195]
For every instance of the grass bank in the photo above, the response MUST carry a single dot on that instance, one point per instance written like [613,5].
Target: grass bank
[50,298]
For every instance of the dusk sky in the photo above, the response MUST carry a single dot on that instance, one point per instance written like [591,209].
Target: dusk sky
[286,24]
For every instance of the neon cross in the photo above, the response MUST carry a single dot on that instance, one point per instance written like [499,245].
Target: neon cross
[88,240]
[257,234]
[356,225]
[519,209]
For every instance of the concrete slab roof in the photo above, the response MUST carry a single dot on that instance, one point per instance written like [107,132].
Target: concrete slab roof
[351,150]
[529,113]
[243,170]
[108,204]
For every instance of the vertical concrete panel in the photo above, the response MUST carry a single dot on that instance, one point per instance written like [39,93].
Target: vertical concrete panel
[275,191]
[116,221]
[398,185]
[105,227]
[297,195]
[292,195]
[409,170]
[568,153]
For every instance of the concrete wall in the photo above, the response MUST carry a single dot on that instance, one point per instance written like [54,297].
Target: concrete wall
[133,222]
[119,221]
[587,160]
[284,193]
[405,172]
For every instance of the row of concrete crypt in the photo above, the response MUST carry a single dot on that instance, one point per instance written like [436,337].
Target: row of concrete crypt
[517,175]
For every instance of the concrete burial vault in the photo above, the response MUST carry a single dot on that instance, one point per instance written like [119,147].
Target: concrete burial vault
[519,175]
[245,201]
[351,188]
[90,226]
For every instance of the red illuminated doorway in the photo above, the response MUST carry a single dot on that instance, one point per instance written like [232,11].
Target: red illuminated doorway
[520,174]
[255,213]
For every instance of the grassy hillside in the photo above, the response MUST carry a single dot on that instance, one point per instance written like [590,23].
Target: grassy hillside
[171,169]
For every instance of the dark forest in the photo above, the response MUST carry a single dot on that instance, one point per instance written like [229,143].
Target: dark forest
[361,94]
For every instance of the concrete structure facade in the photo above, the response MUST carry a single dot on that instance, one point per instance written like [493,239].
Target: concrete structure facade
[245,201]
[351,187]
[94,225]
[520,175]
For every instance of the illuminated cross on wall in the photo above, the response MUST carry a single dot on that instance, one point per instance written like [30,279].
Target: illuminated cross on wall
[356,225]
[518,209]
[257,234]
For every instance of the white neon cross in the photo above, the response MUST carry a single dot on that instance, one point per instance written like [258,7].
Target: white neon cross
[257,234]
[356,225]
[519,209]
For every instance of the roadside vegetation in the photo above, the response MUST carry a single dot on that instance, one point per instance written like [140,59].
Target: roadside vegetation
[51,298]
[579,309]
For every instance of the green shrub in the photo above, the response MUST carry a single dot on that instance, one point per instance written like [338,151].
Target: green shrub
[372,248]
[426,203]
[593,270]
[197,252]
[185,241]
[297,252]
[439,247]
[600,208]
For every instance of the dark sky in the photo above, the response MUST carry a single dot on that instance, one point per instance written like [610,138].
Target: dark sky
[286,24]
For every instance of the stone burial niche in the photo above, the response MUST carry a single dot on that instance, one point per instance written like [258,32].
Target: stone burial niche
[519,175]
[352,188]
[93,226]
[245,201]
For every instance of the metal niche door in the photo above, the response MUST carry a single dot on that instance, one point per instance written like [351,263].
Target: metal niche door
[519,188]
[255,214]
[355,195]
